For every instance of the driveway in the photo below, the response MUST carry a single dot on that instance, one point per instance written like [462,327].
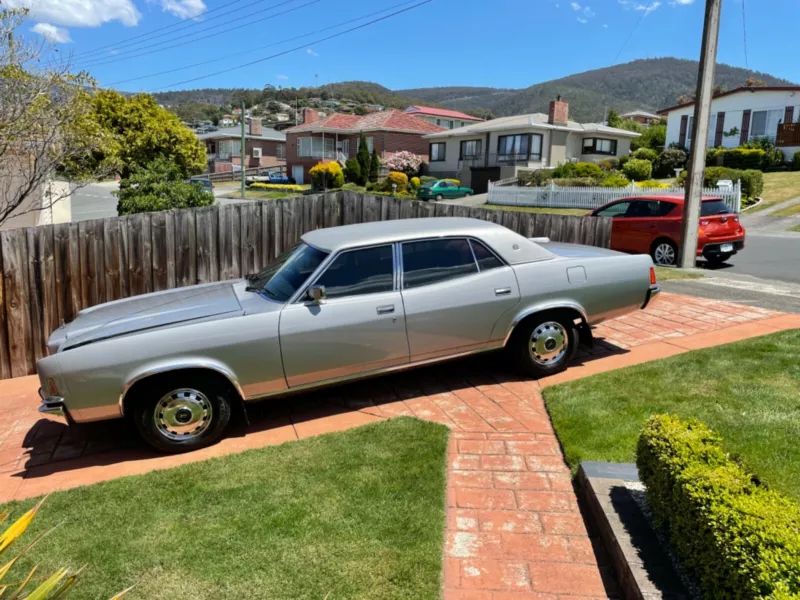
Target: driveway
[94,201]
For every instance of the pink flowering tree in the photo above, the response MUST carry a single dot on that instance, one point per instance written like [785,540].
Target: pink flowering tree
[404,162]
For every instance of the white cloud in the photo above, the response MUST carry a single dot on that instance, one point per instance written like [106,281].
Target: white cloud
[310,52]
[53,34]
[582,20]
[184,9]
[79,13]
[605,26]
[575,6]
[587,11]
[648,9]
[279,76]
[682,2]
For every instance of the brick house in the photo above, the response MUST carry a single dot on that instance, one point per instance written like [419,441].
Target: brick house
[264,147]
[336,138]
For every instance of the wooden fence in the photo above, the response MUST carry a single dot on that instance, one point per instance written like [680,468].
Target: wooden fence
[51,272]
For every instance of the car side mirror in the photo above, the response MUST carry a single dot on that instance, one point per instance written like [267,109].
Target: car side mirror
[316,294]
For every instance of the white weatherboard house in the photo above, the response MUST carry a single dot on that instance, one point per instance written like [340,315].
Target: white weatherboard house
[740,115]
[501,148]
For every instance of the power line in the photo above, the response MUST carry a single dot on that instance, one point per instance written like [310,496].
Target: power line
[149,37]
[128,55]
[251,50]
[744,33]
[635,27]
[296,48]
[152,31]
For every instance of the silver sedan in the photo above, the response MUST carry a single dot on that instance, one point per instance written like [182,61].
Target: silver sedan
[344,303]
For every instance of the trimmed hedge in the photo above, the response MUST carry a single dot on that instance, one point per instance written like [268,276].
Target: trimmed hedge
[752,180]
[582,169]
[739,539]
[615,180]
[638,169]
[735,158]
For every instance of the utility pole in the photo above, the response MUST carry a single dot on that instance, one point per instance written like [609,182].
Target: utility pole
[702,117]
[242,154]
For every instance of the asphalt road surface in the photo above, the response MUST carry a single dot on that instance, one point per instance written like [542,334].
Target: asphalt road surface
[766,255]
[94,201]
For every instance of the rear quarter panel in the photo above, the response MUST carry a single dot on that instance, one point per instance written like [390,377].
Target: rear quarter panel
[614,285]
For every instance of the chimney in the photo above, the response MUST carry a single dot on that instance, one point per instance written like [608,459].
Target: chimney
[559,112]
[310,115]
[254,126]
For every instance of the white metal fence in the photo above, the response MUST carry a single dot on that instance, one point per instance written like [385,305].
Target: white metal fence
[554,196]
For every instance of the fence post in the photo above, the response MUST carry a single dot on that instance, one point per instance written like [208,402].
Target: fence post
[550,193]
[738,196]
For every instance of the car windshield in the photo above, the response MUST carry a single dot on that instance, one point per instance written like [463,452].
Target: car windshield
[288,272]
[430,184]
[710,208]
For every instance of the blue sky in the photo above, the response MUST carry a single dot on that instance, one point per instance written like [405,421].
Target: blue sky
[502,43]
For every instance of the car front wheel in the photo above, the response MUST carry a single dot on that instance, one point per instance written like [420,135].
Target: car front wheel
[439,197]
[544,345]
[664,253]
[177,414]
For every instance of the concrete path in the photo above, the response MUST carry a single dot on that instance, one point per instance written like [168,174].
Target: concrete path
[764,221]
[514,526]
[476,200]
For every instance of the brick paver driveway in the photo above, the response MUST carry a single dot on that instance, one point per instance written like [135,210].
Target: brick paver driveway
[514,528]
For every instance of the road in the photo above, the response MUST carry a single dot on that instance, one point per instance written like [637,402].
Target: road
[768,256]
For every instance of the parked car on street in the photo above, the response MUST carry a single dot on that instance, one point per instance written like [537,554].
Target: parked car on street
[652,225]
[443,189]
[266,176]
[344,303]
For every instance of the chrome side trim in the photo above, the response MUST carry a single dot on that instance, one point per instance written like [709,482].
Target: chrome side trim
[652,292]
[541,308]
[178,367]
[367,374]
[53,405]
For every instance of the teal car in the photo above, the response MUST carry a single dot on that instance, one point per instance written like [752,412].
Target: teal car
[442,189]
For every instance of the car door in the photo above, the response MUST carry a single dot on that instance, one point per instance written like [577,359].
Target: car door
[641,223]
[357,328]
[454,292]
[619,227]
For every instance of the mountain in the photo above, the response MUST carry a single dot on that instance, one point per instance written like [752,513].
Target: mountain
[647,84]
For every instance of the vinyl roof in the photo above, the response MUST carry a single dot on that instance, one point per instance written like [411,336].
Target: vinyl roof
[440,112]
[510,246]
[534,121]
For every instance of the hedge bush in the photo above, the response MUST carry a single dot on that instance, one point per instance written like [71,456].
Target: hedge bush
[738,539]
[455,181]
[638,169]
[609,164]
[327,175]
[796,161]
[581,169]
[425,180]
[277,187]
[414,183]
[646,154]
[736,158]
[537,178]
[401,179]
[652,184]
[576,182]
[752,180]
[616,180]
[352,170]
[670,159]
[623,160]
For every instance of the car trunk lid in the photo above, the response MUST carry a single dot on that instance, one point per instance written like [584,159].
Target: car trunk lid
[718,221]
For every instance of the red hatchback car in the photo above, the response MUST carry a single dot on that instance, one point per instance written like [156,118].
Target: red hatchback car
[652,225]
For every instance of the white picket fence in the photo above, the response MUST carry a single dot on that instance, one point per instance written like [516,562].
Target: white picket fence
[554,196]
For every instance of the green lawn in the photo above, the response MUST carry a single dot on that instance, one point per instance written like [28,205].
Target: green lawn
[576,212]
[789,211]
[779,187]
[795,228]
[673,274]
[748,391]
[358,514]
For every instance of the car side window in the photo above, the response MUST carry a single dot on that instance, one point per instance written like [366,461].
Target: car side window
[434,261]
[359,272]
[486,260]
[665,208]
[444,185]
[642,209]
[615,210]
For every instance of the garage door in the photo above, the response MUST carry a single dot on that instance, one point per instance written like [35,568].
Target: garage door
[482,177]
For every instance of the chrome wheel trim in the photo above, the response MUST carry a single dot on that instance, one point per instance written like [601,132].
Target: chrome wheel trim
[549,343]
[183,414]
[664,254]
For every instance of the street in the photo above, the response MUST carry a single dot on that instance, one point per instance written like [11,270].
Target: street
[766,255]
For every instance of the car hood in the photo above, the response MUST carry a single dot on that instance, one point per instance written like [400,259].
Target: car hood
[147,311]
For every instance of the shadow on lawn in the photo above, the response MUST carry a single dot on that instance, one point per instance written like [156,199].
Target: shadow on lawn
[52,446]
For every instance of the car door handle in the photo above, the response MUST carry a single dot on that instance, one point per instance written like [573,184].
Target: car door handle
[502,291]
[385,310]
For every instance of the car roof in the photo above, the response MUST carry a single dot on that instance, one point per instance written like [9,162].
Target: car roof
[512,247]
[671,197]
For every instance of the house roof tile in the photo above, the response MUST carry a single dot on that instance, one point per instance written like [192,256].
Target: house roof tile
[440,112]
[386,120]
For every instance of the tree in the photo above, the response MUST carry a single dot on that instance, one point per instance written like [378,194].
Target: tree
[405,162]
[374,165]
[158,186]
[613,119]
[142,132]
[364,160]
[45,124]
[360,110]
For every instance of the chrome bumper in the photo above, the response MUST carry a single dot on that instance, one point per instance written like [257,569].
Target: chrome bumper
[652,292]
[52,405]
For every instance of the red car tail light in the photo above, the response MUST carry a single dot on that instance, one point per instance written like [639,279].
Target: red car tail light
[653,276]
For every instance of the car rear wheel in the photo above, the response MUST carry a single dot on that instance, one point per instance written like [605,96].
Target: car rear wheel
[177,414]
[544,345]
[467,195]
[664,252]
[439,197]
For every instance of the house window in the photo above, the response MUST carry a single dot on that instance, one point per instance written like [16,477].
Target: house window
[765,123]
[599,146]
[690,129]
[470,149]
[280,150]
[315,147]
[438,152]
[229,148]
[370,143]
[519,148]
[303,147]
